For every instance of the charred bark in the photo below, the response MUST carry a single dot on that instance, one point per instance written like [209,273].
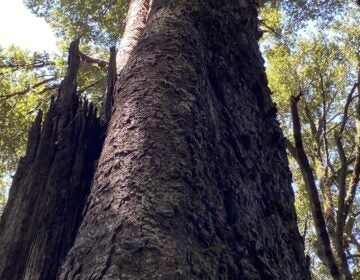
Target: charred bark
[193,180]
[51,184]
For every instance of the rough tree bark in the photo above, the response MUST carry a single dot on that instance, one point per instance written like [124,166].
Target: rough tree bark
[52,181]
[193,179]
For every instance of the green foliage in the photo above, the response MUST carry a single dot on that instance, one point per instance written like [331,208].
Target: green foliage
[25,82]
[2,197]
[100,22]
[322,64]
[92,78]
[300,11]
[28,80]
[297,13]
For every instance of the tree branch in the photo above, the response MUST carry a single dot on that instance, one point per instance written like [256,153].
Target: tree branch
[36,64]
[28,89]
[291,149]
[276,32]
[319,221]
[92,60]
[354,180]
[346,108]
[353,256]
[80,91]
[313,129]
[340,218]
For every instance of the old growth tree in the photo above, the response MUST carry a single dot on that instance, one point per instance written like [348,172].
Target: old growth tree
[192,181]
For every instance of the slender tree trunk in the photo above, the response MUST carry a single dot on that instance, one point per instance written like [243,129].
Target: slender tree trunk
[136,20]
[193,181]
[320,226]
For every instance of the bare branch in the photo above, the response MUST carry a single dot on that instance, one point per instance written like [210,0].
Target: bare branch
[340,218]
[310,120]
[28,89]
[326,106]
[92,60]
[35,64]
[90,86]
[319,221]
[353,256]
[276,32]
[346,108]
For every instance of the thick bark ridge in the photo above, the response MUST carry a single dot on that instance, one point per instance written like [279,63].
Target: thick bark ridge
[193,180]
[50,186]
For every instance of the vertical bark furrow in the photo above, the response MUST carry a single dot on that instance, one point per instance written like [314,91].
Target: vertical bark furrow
[193,180]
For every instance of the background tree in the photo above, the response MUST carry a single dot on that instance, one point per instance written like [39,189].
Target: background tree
[322,66]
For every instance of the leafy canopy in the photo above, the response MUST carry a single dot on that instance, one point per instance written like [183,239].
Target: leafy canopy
[98,22]
[323,65]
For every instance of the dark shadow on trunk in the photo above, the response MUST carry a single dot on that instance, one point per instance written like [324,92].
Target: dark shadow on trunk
[51,184]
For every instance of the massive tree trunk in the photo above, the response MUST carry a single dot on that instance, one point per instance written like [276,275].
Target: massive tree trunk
[193,179]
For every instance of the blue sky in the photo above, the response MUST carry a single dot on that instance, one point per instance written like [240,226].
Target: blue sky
[20,27]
